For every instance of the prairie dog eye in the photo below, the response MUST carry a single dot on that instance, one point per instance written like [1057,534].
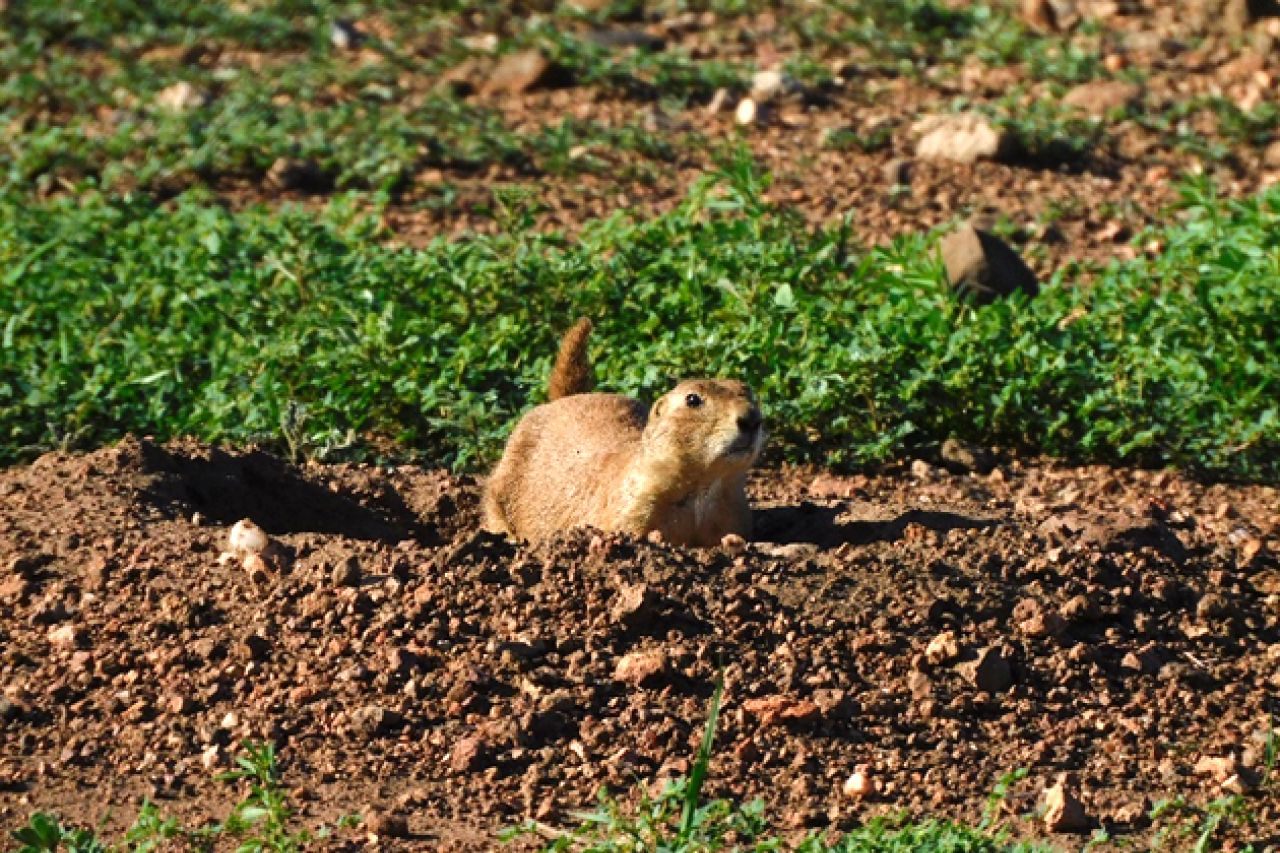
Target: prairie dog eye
[693,401]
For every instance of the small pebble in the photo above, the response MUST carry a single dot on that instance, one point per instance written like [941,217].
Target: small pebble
[858,785]
[247,538]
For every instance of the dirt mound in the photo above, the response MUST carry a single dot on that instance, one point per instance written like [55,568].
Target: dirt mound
[939,629]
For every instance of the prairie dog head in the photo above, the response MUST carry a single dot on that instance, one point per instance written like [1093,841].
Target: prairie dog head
[706,428]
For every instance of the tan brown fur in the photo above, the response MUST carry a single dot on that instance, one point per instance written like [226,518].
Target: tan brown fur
[572,373]
[601,460]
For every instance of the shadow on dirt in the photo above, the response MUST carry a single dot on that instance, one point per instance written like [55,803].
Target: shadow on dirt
[833,526]
[254,484]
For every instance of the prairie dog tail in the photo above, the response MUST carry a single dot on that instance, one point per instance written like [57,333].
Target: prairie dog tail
[573,373]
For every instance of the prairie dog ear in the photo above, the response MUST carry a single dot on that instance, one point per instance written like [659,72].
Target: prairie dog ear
[658,408]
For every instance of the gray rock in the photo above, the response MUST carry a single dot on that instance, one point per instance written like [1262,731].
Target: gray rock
[373,720]
[770,84]
[962,138]
[1099,97]
[982,267]
[519,72]
[344,35]
[960,457]
[346,572]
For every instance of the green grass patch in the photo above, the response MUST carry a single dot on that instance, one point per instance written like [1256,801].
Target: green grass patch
[919,36]
[1231,126]
[78,92]
[121,315]
[377,135]
[79,102]
[261,821]
[654,823]
[680,820]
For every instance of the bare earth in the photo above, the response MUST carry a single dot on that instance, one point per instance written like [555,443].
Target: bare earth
[1129,624]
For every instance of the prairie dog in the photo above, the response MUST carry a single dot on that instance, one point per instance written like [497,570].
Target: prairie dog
[602,460]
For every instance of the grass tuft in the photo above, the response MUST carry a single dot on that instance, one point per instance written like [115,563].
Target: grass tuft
[260,822]
[677,820]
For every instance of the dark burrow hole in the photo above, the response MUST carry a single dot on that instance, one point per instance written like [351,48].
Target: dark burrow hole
[226,487]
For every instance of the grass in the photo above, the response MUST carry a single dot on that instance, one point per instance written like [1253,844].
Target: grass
[123,315]
[927,36]
[377,139]
[273,87]
[1234,126]
[679,820]
[259,822]
[78,96]
[1043,131]
[1200,827]
[1197,828]
[79,111]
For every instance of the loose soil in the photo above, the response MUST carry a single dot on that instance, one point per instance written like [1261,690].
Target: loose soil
[1119,625]
[1087,206]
